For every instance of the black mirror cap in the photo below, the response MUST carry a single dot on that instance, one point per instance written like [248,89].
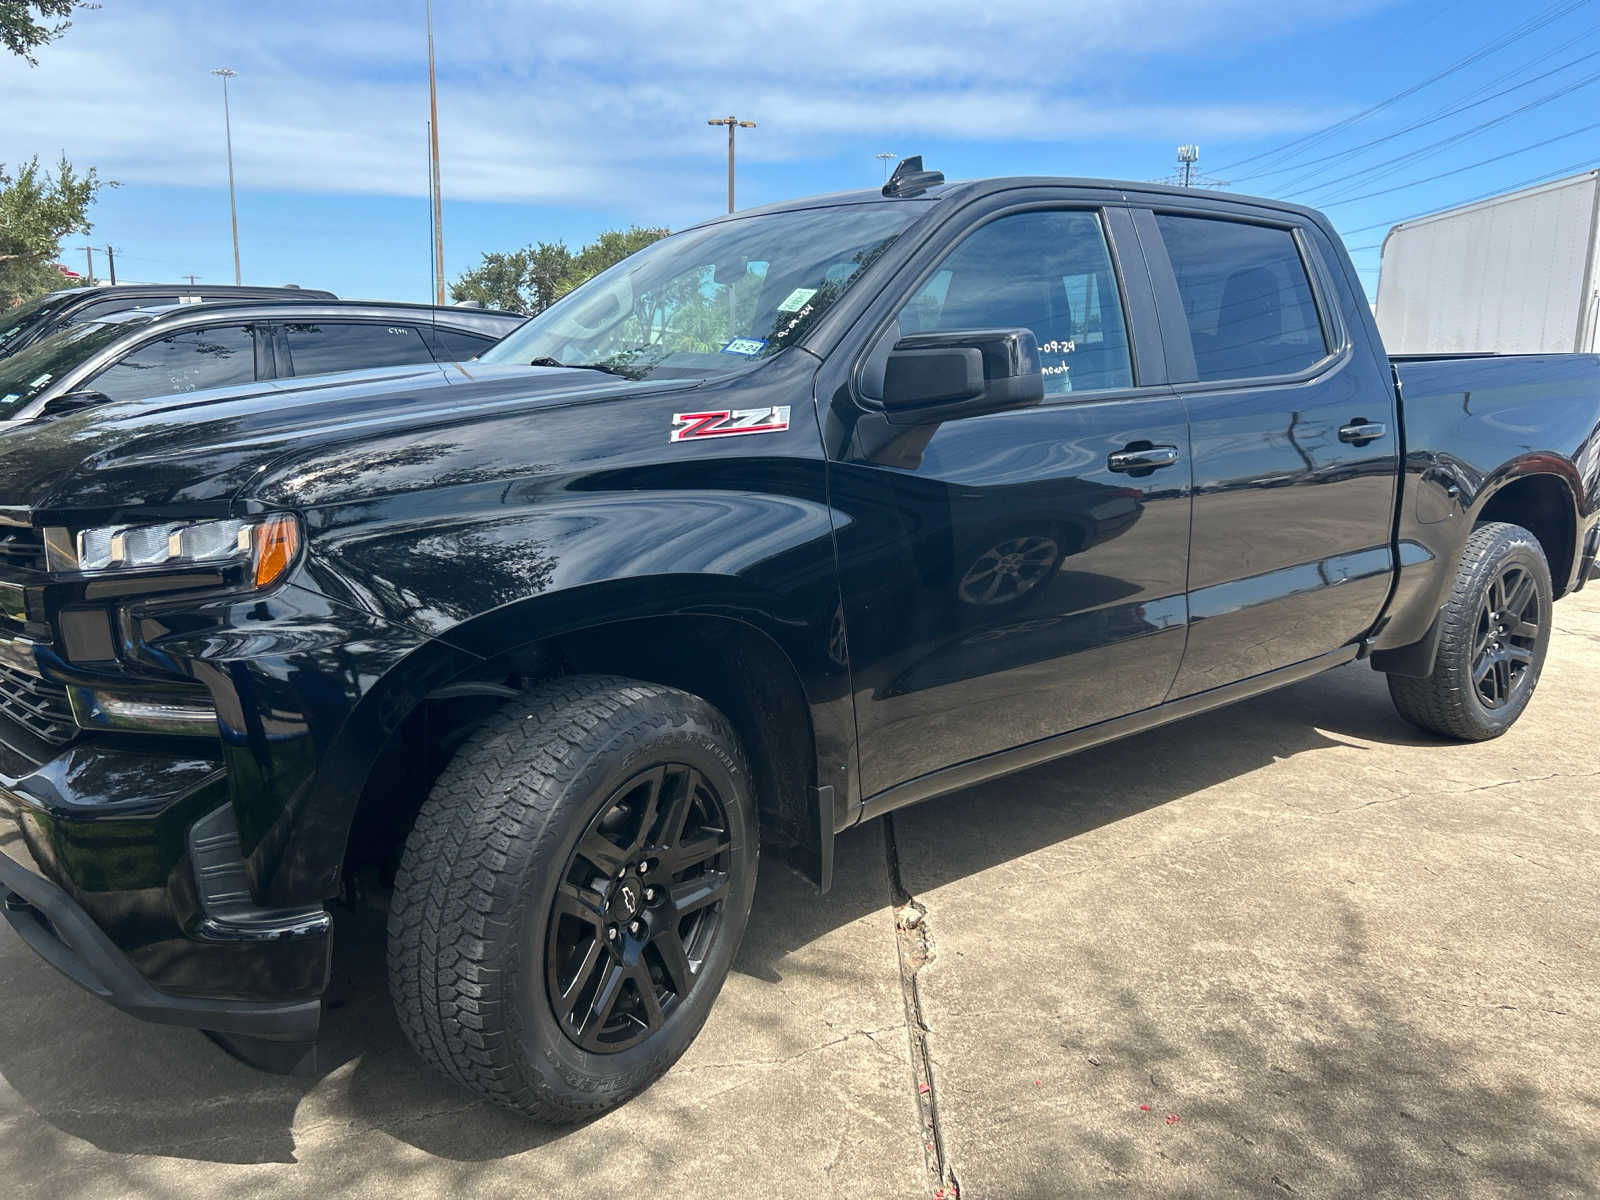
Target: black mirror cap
[937,376]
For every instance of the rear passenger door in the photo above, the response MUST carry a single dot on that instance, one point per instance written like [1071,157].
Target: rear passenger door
[319,347]
[1294,439]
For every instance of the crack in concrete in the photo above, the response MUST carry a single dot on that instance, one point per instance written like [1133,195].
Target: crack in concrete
[1454,790]
[914,943]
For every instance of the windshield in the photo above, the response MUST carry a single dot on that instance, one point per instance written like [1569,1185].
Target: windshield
[707,300]
[25,318]
[30,370]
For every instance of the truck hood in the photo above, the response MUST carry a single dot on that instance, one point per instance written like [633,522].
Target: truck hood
[205,447]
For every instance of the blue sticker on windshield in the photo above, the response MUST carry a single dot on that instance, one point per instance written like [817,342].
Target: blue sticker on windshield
[746,347]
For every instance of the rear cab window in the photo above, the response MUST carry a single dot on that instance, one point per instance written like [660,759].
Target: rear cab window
[1246,295]
[321,347]
[452,345]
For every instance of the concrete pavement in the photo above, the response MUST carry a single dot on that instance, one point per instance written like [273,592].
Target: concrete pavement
[1293,948]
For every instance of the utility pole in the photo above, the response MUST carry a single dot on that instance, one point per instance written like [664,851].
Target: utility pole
[191,279]
[111,264]
[225,74]
[885,157]
[88,257]
[433,145]
[732,123]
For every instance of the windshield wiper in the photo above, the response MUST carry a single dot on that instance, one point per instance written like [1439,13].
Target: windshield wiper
[547,361]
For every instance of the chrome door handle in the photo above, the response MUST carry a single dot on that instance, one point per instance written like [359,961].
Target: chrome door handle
[1359,432]
[1136,459]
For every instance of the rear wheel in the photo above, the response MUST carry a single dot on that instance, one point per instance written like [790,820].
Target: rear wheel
[573,893]
[1496,629]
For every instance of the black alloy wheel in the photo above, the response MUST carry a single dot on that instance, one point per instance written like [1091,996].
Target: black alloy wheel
[1506,637]
[1493,631]
[637,906]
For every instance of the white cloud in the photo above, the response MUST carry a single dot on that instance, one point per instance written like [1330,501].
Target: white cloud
[554,103]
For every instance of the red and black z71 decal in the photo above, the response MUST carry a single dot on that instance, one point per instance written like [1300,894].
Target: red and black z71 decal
[688,426]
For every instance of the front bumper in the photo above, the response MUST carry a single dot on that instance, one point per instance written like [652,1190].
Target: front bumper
[64,935]
[185,879]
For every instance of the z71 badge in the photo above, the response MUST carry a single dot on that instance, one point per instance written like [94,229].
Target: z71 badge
[686,426]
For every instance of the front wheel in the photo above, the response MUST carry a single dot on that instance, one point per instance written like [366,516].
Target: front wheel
[572,895]
[1496,629]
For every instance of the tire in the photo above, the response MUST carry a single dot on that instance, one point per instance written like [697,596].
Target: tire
[1453,701]
[497,911]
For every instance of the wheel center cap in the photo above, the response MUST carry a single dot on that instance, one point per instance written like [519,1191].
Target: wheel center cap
[626,899]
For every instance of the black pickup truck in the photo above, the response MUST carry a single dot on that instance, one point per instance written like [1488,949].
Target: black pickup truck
[790,519]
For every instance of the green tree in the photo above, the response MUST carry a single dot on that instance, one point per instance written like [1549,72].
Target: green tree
[37,210]
[530,280]
[23,33]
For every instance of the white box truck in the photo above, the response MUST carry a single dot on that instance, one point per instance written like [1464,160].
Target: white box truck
[1516,274]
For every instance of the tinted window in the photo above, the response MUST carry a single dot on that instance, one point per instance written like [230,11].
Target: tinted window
[1046,271]
[104,308]
[323,346]
[450,346]
[1246,294]
[184,362]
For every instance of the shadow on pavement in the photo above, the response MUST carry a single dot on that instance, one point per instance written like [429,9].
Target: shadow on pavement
[1350,1092]
[133,1089]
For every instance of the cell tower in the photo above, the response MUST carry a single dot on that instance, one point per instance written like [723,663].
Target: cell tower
[1187,175]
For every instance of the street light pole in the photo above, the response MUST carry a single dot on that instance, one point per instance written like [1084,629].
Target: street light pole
[732,123]
[433,147]
[885,157]
[225,74]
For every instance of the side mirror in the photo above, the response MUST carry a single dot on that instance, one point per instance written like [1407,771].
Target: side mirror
[961,373]
[71,402]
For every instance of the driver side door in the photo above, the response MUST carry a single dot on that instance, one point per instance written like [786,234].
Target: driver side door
[1013,576]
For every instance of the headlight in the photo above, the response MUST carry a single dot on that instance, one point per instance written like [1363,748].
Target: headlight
[266,545]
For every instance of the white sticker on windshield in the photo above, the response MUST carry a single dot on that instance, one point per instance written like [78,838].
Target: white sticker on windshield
[748,347]
[796,300]
[9,397]
[41,381]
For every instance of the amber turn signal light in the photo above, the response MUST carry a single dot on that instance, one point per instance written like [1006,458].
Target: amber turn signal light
[277,541]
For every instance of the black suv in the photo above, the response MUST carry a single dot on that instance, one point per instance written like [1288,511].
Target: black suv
[38,318]
[145,352]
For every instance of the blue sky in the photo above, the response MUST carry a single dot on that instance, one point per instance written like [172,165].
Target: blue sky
[559,121]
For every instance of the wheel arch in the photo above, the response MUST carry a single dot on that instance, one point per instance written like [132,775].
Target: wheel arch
[792,717]
[1539,493]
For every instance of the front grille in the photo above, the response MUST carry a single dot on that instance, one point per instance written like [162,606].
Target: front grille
[21,548]
[37,705]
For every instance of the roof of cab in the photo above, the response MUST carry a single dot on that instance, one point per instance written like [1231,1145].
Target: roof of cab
[269,307]
[960,191]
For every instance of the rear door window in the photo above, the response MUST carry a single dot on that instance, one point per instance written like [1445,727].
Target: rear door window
[318,347]
[1246,295]
[221,356]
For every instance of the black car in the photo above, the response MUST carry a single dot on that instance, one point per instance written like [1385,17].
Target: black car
[146,352]
[788,520]
[27,323]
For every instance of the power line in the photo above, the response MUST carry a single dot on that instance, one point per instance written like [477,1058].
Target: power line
[1455,108]
[1516,34]
[1400,187]
[1342,187]
[1587,164]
